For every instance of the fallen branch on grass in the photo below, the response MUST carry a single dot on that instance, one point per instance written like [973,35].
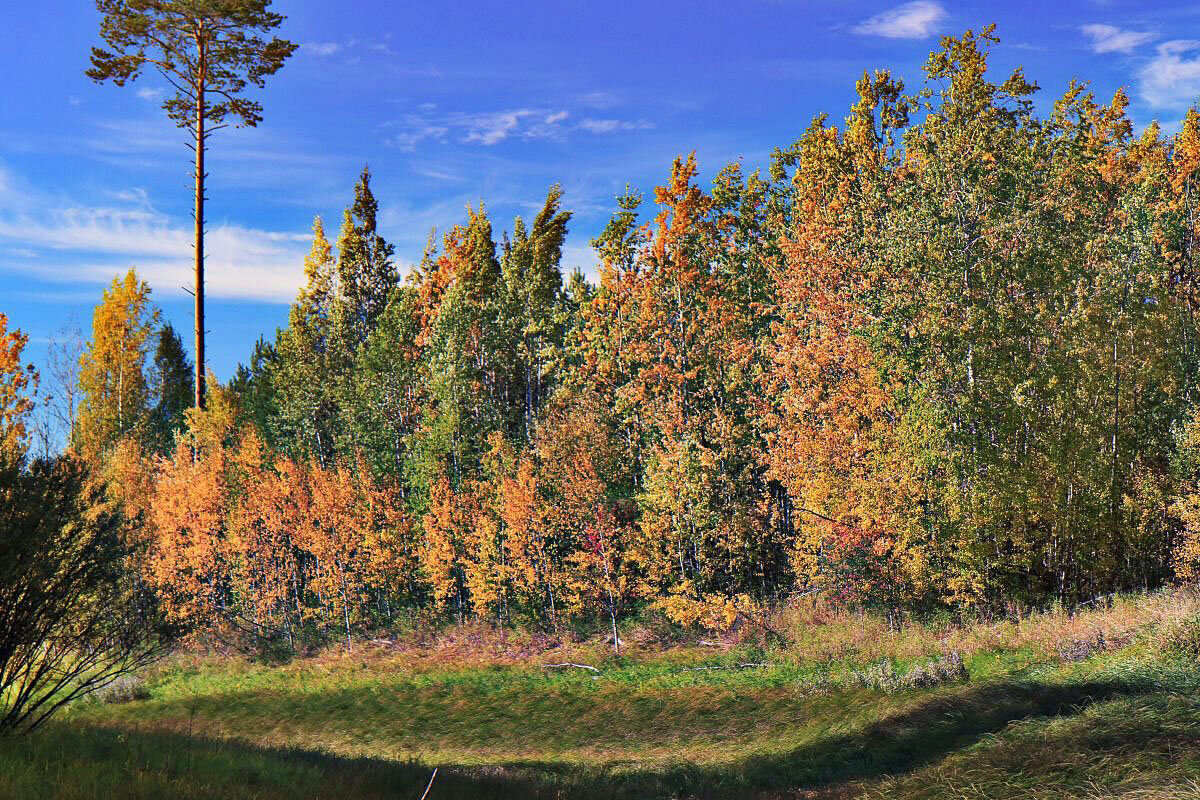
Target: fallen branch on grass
[1094,600]
[569,664]
[751,665]
[430,786]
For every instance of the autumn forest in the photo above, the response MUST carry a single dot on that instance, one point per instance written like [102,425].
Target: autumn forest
[875,471]
[941,355]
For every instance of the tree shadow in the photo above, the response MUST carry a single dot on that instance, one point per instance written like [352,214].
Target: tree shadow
[70,760]
[942,723]
[897,744]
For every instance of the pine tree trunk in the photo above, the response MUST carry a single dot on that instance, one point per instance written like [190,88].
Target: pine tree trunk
[199,216]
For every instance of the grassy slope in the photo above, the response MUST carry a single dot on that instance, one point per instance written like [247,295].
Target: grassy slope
[1125,722]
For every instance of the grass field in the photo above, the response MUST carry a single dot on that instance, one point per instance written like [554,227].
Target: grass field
[1097,705]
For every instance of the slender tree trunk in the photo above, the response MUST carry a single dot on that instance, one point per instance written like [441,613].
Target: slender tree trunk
[346,612]
[199,215]
[612,614]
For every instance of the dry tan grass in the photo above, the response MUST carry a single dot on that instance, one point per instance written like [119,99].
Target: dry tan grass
[811,631]
[818,633]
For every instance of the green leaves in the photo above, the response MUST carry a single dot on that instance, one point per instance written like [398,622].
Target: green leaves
[202,48]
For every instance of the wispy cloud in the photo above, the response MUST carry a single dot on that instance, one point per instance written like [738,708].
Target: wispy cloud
[250,157]
[916,20]
[95,244]
[414,131]
[490,129]
[324,49]
[427,124]
[599,99]
[613,125]
[1111,39]
[354,52]
[90,244]
[581,256]
[1171,80]
[483,128]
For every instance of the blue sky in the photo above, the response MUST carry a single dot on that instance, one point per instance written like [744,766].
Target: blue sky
[454,103]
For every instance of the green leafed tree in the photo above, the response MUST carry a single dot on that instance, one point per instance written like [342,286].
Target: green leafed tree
[171,387]
[383,399]
[303,374]
[251,384]
[534,303]
[209,51]
[365,272]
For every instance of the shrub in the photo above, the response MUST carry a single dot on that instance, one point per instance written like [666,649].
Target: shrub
[883,676]
[948,669]
[124,689]
[1082,649]
[71,621]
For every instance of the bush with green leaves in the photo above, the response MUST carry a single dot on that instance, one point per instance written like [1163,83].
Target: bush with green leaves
[72,620]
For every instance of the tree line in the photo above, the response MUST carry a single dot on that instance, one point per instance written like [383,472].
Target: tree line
[941,355]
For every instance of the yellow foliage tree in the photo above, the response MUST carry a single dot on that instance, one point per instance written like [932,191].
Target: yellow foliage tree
[112,375]
[17,385]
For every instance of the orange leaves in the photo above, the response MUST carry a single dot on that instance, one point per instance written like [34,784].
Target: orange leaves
[189,552]
[831,430]
[238,537]
[270,502]
[441,554]
[17,384]
[525,518]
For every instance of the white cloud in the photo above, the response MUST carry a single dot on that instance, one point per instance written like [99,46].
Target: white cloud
[322,49]
[417,132]
[1172,79]
[149,93]
[490,129]
[916,20]
[1111,39]
[92,244]
[580,256]
[487,128]
[600,125]
[137,195]
[613,125]
[600,99]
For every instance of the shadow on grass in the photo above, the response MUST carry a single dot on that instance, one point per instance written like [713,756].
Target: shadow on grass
[176,766]
[72,762]
[896,744]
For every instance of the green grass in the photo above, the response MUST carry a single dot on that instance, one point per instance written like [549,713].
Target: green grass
[1123,723]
